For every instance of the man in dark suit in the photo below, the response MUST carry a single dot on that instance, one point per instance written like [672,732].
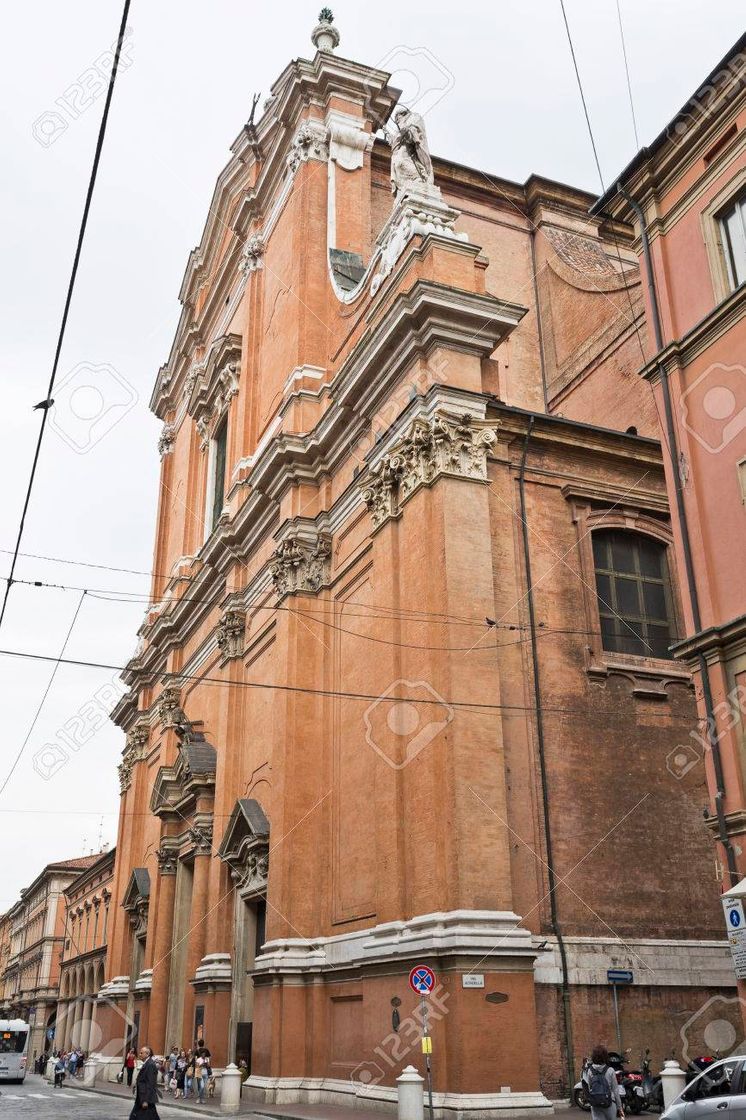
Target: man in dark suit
[146,1088]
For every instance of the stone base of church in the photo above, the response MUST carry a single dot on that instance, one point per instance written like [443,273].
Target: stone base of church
[102,1068]
[382,1098]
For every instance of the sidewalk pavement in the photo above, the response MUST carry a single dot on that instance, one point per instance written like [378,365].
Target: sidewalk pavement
[211,1107]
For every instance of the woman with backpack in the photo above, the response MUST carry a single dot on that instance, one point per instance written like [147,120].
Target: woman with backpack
[601,1087]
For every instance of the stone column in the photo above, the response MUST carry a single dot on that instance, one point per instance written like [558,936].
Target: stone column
[197,923]
[76,1030]
[161,959]
[85,1030]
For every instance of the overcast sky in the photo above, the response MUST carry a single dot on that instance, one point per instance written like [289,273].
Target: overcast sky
[506,102]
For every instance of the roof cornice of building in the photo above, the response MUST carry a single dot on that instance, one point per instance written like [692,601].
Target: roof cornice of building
[548,428]
[103,860]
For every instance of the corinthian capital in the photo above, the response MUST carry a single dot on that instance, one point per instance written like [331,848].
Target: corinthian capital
[300,564]
[432,448]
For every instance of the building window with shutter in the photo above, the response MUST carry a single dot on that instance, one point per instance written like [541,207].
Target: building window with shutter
[733,236]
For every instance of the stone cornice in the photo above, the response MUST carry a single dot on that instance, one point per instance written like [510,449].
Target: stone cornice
[609,494]
[462,933]
[716,642]
[684,350]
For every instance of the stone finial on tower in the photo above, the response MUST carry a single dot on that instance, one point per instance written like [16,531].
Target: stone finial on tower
[325,36]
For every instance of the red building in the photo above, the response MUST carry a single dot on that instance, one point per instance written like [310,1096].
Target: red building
[685,196]
[393,702]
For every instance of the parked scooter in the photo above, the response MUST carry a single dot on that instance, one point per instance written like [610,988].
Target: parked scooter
[632,1083]
[652,1085]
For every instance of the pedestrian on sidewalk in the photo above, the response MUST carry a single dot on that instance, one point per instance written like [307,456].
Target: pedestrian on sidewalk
[601,1087]
[171,1061]
[59,1071]
[146,1088]
[204,1053]
[181,1065]
[189,1073]
[129,1064]
[200,1078]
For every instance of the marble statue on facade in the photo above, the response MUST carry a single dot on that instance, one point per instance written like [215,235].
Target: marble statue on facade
[411,164]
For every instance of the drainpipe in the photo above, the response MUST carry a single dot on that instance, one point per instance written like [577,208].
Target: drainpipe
[691,582]
[554,920]
[539,331]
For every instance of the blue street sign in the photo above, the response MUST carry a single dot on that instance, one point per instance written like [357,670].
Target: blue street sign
[620,976]
[734,917]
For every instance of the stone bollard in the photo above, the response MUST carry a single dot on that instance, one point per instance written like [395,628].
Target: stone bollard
[230,1089]
[90,1070]
[410,1089]
[49,1071]
[673,1080]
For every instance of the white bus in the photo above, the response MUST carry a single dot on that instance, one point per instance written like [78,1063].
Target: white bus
[13,1049]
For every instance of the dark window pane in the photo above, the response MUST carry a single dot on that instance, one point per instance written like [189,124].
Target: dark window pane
[651,555]
[623,552]
[221,441]
[609,634]
[655,600]
[659,637]
[627,597]
[631,639]
[603,587]
[633,600]
[600,557]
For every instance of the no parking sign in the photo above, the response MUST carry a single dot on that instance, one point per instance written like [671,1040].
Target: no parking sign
[422,979]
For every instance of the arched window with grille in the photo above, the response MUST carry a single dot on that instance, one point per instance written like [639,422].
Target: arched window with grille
[634,593]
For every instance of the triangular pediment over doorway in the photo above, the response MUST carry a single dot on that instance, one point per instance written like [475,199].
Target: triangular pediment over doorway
[245,845]
[138,888]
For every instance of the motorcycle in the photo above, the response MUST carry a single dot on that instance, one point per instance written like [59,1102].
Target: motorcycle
[652,1085]
[632,1083]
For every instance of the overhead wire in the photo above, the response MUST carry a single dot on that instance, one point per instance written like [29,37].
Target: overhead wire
[633,317]
[474,705]
[626,70]
[57,662]
[312,613]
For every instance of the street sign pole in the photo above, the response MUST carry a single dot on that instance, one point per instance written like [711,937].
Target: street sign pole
[616,1020]
[615,977]
[422,981]
[427,1047]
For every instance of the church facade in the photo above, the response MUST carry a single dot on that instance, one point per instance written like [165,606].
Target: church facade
[404,694]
